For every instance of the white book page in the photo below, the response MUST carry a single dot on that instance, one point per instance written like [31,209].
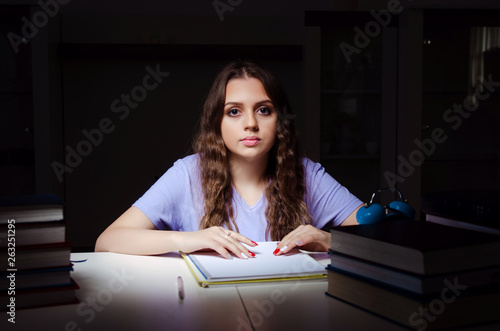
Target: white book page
[264,265]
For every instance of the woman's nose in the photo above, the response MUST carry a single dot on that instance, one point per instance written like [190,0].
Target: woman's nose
[251,122]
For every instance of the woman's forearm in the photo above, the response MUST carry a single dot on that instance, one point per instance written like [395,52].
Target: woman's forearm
[137,241]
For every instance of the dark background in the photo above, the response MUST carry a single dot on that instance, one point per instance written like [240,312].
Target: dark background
[66,77]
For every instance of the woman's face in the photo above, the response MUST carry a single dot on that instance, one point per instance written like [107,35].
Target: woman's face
[248,125]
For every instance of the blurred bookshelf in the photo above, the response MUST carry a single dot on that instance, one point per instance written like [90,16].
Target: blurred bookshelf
[351,108]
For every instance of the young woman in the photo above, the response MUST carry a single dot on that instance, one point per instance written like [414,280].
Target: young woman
[247,182]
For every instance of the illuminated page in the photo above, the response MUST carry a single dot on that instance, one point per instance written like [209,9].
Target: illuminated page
[264,265]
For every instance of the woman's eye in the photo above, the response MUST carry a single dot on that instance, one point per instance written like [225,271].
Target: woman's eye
[264,110]
[233,112]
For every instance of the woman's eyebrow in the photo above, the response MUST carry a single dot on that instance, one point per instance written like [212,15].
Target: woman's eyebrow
[234,103]
[264,101]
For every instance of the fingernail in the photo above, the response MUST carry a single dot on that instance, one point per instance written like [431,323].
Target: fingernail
[253,242]
[229,256]
[299,242]
[283,248]
[244,255]
[276,251]
[252,254]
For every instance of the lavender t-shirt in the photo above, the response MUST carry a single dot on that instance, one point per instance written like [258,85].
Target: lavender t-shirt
[175,201]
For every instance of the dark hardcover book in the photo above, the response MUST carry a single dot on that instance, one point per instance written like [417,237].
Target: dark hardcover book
[469,209]
[36,233]
[418,284]
[37,256]
[36,278]
[26,200]
[419,247]
[32,208]
[454,306]
[40,297]
[471,206]
[487,228]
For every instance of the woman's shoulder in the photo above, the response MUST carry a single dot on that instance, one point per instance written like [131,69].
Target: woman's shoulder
[185,168]
[315,173]
[190,162]
[310,165]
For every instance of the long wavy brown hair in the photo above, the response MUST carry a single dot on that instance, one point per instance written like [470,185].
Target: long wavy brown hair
[286,208]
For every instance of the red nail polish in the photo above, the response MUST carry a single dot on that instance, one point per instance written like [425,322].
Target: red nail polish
[252,254]
[253,242]
[276,251]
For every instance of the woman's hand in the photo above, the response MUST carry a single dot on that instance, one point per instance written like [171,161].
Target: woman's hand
[217,238]
[306,237]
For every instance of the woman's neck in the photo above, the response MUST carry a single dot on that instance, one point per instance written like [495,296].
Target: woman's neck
[249,178]
[247,172]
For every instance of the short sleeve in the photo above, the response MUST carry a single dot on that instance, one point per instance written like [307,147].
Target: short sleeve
[329,202]
[173,202]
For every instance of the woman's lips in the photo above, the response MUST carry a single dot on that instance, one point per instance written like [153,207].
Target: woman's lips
[250,141]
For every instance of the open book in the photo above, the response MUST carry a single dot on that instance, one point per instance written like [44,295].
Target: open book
[209,268]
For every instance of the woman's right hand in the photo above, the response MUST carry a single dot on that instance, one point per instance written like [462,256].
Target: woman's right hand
[216,238]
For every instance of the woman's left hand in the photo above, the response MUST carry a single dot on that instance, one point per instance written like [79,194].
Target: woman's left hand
[306,237]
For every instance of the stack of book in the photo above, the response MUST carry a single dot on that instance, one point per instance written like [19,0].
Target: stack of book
[34,252]
[418,274]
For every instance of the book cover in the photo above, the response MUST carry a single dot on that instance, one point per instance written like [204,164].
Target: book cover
[28,200]
[473,209]
[31,208]
[37,278]
[475,206]
[38,256]
[454,306]
[40,297]
[415,283]
[417,246]
[481,227]
[35,233]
